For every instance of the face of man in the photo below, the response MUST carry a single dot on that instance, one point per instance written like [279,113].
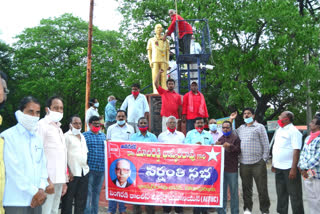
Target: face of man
[170,85]
[199,123]
[123,171]
[194,88]
[76,123]
[121,116]
[111,98]
[56,105]
[94,124]
[284,118]
[158,29]
[247,114]
[212,121]
[313,127]
[135,89]
[143,123]
[32,109]
[3,86]
[226,127]
[171,123]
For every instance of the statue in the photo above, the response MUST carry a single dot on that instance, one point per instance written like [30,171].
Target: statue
[158,55]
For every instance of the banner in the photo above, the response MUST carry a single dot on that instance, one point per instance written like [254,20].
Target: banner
[164,174]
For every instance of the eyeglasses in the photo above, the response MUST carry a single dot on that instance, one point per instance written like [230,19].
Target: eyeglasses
[126,171]
[226,127]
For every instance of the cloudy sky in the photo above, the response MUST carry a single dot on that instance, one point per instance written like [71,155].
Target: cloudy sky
[16,15]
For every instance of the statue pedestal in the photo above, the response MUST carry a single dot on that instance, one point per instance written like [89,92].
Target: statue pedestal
[155,119]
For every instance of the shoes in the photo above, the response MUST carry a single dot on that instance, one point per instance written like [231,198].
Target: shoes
[123,213]
[247,211]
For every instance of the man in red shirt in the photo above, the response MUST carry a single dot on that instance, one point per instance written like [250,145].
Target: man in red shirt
[184,30]
[194,105]
[171,101]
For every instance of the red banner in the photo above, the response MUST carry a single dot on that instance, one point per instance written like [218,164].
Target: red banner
[164,174]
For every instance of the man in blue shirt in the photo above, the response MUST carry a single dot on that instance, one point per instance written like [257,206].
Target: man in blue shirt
[143,135]
[199,135]
[95,143]
[25,162]
[110,112]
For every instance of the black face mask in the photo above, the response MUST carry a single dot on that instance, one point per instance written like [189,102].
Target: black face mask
[170,57]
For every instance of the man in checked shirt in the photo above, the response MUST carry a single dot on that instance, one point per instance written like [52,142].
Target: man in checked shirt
[253,157]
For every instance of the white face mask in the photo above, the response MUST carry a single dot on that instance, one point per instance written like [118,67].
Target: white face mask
[55,116]
[96,105]
[27,121]
[75,131]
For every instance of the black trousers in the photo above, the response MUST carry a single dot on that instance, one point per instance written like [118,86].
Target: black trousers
[23,210]
[77,190]
[149,209]
[184,43]
[258,172]
[200,210]
[167,209]
[289,187]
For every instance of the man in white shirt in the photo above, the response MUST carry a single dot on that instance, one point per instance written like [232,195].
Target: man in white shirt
[216,134]
[56,153]
[120,131]
[173,71]
[171,135]
[92,111]
[195,48]
[285,157]
[137,105]
[175,137]
[78,169]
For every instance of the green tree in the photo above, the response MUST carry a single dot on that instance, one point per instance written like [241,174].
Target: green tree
[259,50]
[50,59]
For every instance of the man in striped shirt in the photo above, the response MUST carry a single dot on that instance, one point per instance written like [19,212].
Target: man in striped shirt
[253,157]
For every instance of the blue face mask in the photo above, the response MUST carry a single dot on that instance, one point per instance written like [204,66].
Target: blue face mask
[113,102]
[213,127]
[248,120]
[227,133]
[121,122]
[96,105]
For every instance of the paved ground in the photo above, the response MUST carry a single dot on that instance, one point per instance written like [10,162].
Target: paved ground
[272,193]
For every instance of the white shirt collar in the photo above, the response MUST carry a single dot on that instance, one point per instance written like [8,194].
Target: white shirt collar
[121,186]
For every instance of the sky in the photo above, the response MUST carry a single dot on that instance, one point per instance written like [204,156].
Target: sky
[16,15]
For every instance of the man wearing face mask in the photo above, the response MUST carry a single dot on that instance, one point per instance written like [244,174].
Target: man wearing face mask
[143,135]
[285,158]
[215,133]
[25,162]
[253,157]
[92,111]
[231,144]
[121,131]
[95,143]
[78,169]
[199,135]
[137,105]
[110,112]
[193,106]
[3,97]
[56,153]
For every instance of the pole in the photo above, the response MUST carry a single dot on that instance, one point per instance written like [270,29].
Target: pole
[309,110]
[88,82]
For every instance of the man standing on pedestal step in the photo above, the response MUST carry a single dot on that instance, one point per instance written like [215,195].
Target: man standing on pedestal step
[171,101]
[121,131]
[195,48]
[143,135]
[213,128]
[92,111]
[185,31]
[193,106]
[137,105]
[95,143]
[285,158]
[253,157]
[158,56]
[110,112]
[77,151]
[56,153]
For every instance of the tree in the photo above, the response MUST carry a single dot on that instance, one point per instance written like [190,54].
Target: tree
[258,52]
[50,59]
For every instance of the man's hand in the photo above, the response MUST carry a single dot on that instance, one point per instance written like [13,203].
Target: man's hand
[183,118]
[64,189]
[233,115]
[164,37]
[293,173]
[199,143]
[50,187]
[70,176]
[226,145]
[151,64]
[161,71]
[38,199]
[273,169]
[218,143]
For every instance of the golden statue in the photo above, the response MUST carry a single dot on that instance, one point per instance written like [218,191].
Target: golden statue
[158,55]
